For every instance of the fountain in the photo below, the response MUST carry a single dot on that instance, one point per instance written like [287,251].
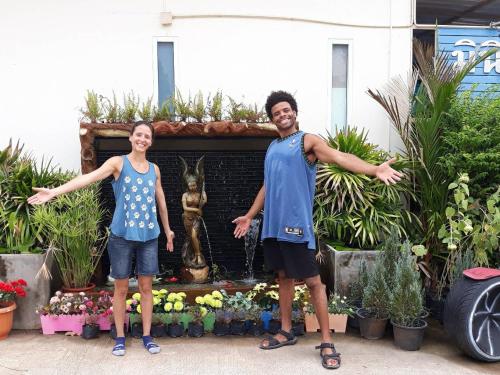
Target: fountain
[251,239]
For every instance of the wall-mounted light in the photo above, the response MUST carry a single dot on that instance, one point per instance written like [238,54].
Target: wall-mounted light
[166,18]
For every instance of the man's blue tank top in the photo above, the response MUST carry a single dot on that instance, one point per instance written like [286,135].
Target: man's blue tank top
[289,182]
[135,212]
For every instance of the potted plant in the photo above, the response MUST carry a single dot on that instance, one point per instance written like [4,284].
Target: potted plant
[339,309]
[175,328]
[158,328]
[64,312]
[195,326]
[255,325]
[90,329]
[223,318]
[406,304]
[211,302]
[356,293]
[239,304]
[374,314]
[72,226]
[8,292]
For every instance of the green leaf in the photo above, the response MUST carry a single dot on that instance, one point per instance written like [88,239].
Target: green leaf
[453,185]
[450,211]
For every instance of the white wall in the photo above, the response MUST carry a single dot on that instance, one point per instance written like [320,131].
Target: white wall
[52,51]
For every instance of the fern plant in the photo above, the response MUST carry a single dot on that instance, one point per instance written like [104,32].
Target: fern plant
[215,107]
[93,110]
[182,107]
[130,107]
[198,109]
[146,110]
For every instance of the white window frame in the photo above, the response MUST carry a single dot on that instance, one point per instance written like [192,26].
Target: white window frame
[156,40]
[350,55]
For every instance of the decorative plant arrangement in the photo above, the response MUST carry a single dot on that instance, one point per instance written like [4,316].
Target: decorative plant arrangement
[71,226]
[197,109]
[339,309]
[71,311]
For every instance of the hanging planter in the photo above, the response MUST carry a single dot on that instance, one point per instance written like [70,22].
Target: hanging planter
[6,318]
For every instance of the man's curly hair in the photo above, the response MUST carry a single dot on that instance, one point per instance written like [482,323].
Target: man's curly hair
[278,97]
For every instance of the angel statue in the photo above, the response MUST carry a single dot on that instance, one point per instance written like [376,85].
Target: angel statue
[193,201]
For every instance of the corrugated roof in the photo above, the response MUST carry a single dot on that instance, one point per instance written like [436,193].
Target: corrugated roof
[458,12]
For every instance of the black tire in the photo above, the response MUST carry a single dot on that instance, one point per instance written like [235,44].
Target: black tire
[472,317]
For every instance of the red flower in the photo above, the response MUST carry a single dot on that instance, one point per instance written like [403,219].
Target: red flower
[22,282]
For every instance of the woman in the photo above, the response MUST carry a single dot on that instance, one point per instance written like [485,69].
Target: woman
[134,228]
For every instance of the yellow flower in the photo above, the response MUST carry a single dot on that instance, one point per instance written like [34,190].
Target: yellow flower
[129,302]
[155,292]
[216,294]
[182,294]
[163,291]
[203,311]
[172,297]
[168,306]
[156,300]
[139,309]
[136,296]
[200,300]
[217,304]
[178,306]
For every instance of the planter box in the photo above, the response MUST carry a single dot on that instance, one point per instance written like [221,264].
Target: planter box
[26,266]
[341,268]
[62,323]
[336,322]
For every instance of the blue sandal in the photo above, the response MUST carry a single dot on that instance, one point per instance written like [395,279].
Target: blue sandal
[119,348]
[150,345]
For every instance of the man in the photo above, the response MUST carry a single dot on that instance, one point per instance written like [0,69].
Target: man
[287,197]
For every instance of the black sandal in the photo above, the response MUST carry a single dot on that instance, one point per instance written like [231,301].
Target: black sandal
[275,343]
[326,357]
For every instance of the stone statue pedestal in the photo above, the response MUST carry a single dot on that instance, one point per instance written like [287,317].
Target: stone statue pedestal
[194,275]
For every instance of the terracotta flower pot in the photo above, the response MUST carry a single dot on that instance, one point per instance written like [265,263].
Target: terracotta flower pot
[88,288]
[6,318]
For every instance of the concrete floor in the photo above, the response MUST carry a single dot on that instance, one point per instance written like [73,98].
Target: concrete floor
[29,352]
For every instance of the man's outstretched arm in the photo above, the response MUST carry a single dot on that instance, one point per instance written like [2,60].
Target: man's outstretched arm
[324,153]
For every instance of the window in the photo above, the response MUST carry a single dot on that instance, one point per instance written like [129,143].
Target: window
[165,64]
[340,64]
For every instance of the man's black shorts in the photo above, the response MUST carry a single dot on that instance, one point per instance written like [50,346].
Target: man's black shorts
[295,259]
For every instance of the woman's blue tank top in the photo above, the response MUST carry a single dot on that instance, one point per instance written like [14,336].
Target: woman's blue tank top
[289,182]
[135,213]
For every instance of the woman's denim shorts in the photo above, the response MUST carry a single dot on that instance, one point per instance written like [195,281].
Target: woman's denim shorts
[122,252]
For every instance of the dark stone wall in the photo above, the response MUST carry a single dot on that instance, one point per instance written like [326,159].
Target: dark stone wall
[234,172]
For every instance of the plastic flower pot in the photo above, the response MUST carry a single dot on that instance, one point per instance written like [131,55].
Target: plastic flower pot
[175,330]
[237,327]
[409,338]
[274,326]
[90,331]
[136,330]
[371,328]
[6,318]
[255,329]
[298,328]
[221,329]
[195,329]
[158,330]
[208,322]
